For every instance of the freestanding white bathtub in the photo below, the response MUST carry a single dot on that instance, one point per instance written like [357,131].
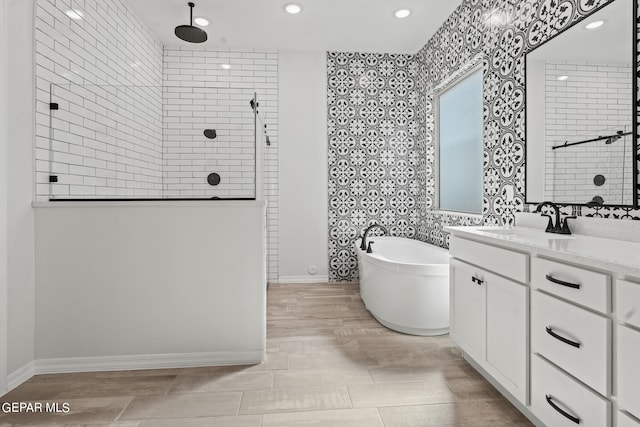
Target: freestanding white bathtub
[404,284]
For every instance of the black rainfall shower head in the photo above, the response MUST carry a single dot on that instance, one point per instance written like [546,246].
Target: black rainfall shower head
[190,33]
[210,133]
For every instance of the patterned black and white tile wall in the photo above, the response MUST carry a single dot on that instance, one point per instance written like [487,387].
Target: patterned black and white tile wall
[502,32]
[372,131]
[361,186]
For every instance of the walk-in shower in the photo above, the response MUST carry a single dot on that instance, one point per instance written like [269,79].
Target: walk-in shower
[151,142]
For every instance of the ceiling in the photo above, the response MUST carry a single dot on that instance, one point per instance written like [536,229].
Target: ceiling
[323,25]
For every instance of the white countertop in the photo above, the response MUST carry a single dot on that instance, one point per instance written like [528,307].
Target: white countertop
[617,256]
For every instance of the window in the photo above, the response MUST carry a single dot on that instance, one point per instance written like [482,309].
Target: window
[460,145]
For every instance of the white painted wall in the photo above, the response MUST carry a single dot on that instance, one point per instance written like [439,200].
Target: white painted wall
[303,165]
[20,179]
[3,196]
[128,285]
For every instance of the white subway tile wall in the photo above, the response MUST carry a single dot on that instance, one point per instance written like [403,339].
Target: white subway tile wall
[189,156]
[105,72]
[594,101]
[201,94]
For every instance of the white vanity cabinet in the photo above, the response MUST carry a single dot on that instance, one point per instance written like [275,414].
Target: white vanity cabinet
[489,317]
[553,322]
[570,344]
[628,346]
[628,367]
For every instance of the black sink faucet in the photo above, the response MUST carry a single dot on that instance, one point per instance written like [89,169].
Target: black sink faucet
[363,245]
[552,227]
[559,227]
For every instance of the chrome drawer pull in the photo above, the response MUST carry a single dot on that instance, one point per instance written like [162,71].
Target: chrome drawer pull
[560,410]
[562,282]
[563,339]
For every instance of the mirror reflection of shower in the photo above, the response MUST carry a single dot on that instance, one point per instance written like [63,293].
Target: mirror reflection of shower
[592,167]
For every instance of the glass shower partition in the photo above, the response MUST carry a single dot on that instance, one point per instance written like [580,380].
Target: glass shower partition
[148,143]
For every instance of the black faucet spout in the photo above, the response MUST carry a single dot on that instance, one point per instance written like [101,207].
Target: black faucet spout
[363,244]
[556,224]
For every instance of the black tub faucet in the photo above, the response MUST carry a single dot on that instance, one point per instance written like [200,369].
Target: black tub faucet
[363,244]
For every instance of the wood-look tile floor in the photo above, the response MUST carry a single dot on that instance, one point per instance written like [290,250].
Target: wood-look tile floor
[328,363]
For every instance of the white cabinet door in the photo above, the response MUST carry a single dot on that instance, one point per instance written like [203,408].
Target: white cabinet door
[467,327]
[628,355]
[507,333]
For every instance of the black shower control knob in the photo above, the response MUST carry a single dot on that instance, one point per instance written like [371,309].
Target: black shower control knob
[213,179]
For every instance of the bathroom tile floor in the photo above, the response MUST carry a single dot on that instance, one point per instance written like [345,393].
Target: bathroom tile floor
[328,363]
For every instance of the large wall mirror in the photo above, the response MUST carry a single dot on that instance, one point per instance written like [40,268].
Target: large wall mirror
[580,115]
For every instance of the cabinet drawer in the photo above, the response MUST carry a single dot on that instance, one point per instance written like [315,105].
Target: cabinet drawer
[573,338]
[584,287]
[551,387]
[503,261]
[628,302]
[625,420]
[628,375]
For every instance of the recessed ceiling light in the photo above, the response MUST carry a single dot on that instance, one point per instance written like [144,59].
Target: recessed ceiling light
[293,8]
[202,22]
[562,78]
[497,18]
[225,66]
[402,13]
[74,14]
[595,24]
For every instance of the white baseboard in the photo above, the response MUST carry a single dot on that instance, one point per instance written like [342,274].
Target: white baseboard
[303,279]
[21,375]
[134,362]
[147,361]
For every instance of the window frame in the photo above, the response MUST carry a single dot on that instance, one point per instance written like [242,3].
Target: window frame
[442,89]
